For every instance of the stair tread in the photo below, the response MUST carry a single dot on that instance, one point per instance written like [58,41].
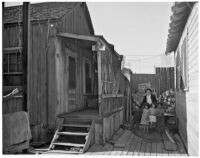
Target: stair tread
[73,133]
[68,144]
[76,125]
[63,151]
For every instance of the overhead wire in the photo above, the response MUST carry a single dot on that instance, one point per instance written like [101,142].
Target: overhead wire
[143,58]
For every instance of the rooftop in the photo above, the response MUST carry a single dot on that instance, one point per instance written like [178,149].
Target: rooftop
[39,11]
[179,17]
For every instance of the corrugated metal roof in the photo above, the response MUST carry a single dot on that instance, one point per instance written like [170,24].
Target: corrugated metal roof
[179,17]
[39,11]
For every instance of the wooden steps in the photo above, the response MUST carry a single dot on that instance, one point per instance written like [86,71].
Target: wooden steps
[73,133]
[68,144]
[72,138]
[75,125]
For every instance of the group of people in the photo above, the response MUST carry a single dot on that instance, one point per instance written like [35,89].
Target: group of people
[146,113]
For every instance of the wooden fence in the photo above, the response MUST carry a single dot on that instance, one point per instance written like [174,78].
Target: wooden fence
[162,80]
[165,78]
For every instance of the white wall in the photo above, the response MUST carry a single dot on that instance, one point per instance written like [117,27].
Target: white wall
[190,118]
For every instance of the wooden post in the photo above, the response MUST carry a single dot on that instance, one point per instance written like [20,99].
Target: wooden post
[99,82]
[25,50]
[3,5]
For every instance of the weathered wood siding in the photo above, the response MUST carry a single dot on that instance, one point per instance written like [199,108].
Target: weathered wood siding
[13,105]
[187,102]
[143,78]
[44,99]
[11,36]
[37,71]
[126,91]
[162,80]
[110,92]
[75,22]
[165,78]
[82,50]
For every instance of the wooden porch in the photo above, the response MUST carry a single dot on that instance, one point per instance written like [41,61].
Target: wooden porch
[136,146]
[83,115]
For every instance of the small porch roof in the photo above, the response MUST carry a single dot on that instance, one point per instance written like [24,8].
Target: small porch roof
[95,38]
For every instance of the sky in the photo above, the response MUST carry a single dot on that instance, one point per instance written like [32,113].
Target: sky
[138,30]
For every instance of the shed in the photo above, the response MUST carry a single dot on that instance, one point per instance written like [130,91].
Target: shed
[47,19]
[71,71]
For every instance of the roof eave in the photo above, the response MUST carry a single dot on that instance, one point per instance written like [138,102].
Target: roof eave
[181,12]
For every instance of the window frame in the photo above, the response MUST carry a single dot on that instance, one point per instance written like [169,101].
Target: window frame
[86,60]
[9,51]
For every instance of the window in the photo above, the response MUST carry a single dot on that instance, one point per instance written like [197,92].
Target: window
[182,67]
[178,70]
[12,61]
[12,66]
[87,78]
[72,73]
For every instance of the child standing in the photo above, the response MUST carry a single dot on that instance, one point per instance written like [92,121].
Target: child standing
[152,115]
[145,116]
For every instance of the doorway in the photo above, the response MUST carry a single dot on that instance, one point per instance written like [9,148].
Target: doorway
[72,81]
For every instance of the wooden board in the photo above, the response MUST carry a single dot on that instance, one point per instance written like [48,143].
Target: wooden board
[117,136]
[121,142]
[116,151]
[92,149]
[98,150]
[159,149]
[107,149]
[153,149]
[148,149]
[138,146]
[143,148]
[128,145]
[98,133]
[90,137]
[133,146]
[180,145]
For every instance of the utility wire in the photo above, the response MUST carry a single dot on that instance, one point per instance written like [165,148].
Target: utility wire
[143,55]
[144,58]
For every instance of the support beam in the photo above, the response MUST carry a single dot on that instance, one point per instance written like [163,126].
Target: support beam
[79,37]
[25,50]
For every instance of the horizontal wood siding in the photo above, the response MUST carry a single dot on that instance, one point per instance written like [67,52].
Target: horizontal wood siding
[187,102]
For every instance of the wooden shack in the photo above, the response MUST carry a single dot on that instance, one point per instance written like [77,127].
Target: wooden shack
[183,41]
[70,70]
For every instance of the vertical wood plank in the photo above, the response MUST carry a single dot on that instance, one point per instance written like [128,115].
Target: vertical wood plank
[26,48]
[99,82]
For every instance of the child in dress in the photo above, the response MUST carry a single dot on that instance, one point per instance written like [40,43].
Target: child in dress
[145,116]
[152,115]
